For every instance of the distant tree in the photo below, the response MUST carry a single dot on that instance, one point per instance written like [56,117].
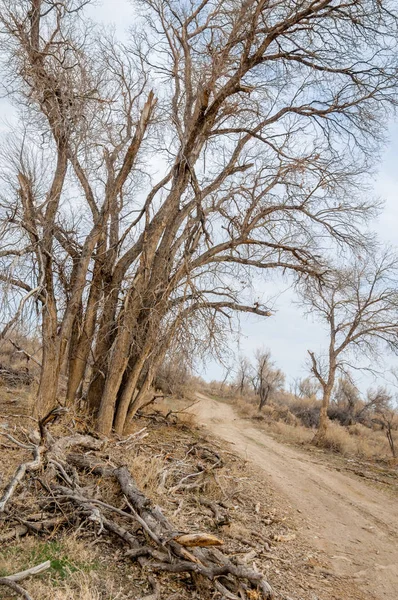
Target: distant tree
[307,387]
[347,398]
[268,379]
[383,413]
[359,304]
[243,376]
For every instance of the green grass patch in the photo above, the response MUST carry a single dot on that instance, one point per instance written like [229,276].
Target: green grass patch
[62,564]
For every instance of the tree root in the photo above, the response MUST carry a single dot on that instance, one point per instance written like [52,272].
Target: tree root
[19,475]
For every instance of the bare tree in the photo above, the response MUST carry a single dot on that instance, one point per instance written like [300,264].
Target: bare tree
[308,387]
[347,399]
[359,305]
[149,181]
[380,411]
[268,379]
[244,375]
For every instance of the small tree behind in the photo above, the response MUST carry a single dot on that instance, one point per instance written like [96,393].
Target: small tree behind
[243,375]
[383,413]
[268,379]
[346,400]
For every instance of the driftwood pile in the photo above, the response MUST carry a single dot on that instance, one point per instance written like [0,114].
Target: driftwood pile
[59,469]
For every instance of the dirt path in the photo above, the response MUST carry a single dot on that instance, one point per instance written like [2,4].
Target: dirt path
[354,523]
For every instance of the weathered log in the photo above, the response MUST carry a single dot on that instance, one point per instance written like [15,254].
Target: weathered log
[220,518]
[202,540]
[11,580]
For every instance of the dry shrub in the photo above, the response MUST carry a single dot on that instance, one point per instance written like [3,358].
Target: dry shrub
[370,443]
[339,440]
[187,419]
[279,414]
[245,408]
[356,440]
[306,410]
[293,433]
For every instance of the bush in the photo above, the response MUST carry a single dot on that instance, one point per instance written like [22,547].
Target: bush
[306,410]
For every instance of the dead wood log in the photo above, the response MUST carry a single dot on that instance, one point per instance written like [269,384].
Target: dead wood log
[11,580]
[202,540]
[42,526]
[17,531]
[220,518]
[87,442]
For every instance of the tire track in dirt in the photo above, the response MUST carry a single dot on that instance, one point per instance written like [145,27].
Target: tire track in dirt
[353,522]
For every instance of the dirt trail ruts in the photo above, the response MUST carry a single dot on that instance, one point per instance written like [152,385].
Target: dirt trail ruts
[354,523]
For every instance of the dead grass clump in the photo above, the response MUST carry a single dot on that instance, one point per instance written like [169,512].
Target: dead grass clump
[281,414]
[73,573]
[82,585]
[246,409]
[337,439]
[293,433]
[147,470]
[371,444]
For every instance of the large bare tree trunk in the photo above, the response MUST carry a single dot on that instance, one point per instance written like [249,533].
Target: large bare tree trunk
[104,340]
[80,352]
[129,388]
[118,361]
[51,364]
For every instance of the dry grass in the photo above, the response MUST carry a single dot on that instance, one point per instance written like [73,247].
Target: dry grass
[296,434]
[75,569]
[356,441]
[147,470]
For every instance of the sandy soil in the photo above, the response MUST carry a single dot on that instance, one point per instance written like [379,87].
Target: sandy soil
[354,523]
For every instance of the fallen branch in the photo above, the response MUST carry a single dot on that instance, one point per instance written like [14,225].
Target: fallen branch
[33,465]
[202,561]
[15,587]
[44,566]
[220,518]
[11,580]
[152,539]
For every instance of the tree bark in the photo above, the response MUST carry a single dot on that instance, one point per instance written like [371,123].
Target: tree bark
[129,389]
[323,415]
[51,363]
[81,351]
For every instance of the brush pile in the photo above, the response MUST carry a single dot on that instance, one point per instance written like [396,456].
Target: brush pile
[70,478]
